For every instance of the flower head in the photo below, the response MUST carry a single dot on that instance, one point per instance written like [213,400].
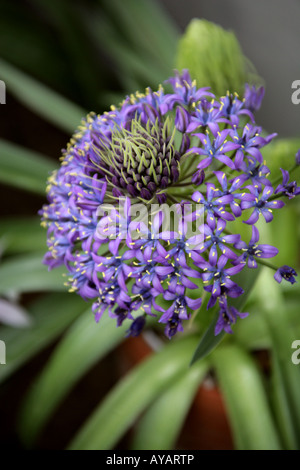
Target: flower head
[183,157]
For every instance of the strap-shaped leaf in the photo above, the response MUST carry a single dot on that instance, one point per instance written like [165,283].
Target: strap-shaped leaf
[246,279]
[156,36]
[24,169]
[132,395]
[286,374]
[160,426]
[136,70]
[28,274]
[83,345]
[245,398]
[22,235]
[209,340]
[44,101]
[50,315]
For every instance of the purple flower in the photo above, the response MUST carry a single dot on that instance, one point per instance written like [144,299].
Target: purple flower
[288,189]
[262,205]
[227,316]
[185,92]
[215,149]
[249,144]
[253,97]
[218,276]
[253,250]
[214,239]
[297,157]
[287,273]
[256,173]
[177,312]
[136,326]
[235,185]
[182,119]
[231,108]
[213,205]
[198,177]
[205,115]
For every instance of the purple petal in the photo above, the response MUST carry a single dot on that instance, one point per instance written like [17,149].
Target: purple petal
[251,262]
[255,236]
[204,163]
[228,252]
[235,269]
[277,276]
[194,304]
[235,207]
[238,159]
[268,251]
[268,216]
[276,204]
[164,270]
[213,255]
[226,160]
[231,238]
[225,199]
[255,153]
[222,262]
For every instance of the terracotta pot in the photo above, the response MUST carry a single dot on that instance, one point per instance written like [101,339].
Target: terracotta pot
[207,425]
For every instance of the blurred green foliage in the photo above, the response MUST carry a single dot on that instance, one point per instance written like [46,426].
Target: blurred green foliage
[214,58]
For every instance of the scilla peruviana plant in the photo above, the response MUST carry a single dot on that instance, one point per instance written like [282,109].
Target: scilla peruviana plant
[175,149]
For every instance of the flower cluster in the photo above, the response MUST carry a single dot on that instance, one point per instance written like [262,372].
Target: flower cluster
[185,149]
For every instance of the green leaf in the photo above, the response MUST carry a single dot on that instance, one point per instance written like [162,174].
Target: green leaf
[246,279]
[245,399]
[45,102]
[160,426]
[282,407]
[286,375]
[132,395]
[282,234]
[27,273]
[136,70]
[22,235]
[24,169]
[209,341]
[83,345]
[213,57]
[253,332]
[50,314]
